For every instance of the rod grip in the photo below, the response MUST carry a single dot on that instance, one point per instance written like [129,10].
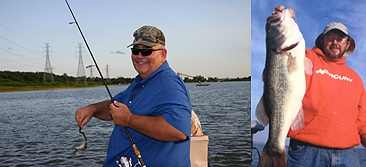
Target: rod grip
[137,152]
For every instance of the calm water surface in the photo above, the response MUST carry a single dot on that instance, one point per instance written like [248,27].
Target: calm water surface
[38,127]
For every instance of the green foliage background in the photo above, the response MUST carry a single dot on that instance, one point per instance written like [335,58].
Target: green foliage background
[21,81]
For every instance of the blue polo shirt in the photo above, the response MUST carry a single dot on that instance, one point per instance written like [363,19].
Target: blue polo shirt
[162,93]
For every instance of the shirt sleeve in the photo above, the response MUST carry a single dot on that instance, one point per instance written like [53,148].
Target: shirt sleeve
[174,105]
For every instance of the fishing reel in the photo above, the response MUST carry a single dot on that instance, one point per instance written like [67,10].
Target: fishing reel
[125,162]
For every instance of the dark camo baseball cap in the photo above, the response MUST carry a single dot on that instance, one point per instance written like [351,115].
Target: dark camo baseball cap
[340,27]
[149,36]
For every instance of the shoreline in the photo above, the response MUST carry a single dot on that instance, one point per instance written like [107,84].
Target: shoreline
[35,88]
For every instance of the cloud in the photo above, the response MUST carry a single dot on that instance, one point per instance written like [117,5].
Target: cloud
[118,52]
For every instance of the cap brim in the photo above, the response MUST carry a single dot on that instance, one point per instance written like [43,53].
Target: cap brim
[148,44]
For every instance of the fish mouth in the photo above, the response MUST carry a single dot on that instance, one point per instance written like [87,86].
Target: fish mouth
[274,19]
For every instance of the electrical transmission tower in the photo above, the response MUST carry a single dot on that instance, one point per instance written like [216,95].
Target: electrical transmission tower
[107,76]
[91,72]
[48,69]
[81,72]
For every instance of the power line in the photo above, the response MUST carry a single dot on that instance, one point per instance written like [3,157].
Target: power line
[32,51]
[21,23]
[20,56]
[19,36]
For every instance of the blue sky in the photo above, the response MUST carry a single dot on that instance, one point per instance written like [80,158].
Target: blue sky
[311,16]
[206,37]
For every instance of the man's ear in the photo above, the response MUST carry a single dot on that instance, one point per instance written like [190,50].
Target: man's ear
[164,53]
[348,44]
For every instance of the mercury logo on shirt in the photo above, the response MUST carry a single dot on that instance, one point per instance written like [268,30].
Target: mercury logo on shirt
[334,76]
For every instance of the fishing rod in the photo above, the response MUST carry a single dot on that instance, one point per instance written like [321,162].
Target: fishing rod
[135,149]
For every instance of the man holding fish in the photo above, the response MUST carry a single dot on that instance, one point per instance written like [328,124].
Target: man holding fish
[332,117]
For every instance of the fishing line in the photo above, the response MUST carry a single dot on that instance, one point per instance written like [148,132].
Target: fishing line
[137,152]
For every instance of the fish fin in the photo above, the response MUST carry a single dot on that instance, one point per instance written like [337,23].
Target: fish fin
[261,114]
[263,73]
[298,122]
[273,158]
[291,64]
[308,66]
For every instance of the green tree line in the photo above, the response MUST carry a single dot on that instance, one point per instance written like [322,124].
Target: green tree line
[200,78]
[11,78]
[16,81]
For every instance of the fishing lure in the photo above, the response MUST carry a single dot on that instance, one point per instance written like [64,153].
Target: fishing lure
[83,145]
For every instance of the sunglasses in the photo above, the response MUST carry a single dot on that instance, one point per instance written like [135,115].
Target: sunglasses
[144,52]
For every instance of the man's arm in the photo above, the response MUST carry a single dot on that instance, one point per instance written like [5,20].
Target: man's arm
[99,110]
[153,126]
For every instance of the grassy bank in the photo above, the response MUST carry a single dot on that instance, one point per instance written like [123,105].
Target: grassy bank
[31,88]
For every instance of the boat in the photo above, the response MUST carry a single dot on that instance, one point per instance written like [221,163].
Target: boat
[203,84]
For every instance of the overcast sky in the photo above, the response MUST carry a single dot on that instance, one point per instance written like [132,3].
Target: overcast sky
[206,37]
[311,16]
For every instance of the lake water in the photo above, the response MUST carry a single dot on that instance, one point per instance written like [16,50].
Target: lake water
[38,128]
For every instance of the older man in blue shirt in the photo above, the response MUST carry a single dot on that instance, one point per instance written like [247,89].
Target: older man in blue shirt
[156,108]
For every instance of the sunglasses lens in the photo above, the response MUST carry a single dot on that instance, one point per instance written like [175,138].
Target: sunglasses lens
[135,51]
[146,52]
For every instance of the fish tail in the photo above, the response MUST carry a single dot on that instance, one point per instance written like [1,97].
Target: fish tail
[74,151]
[273,158]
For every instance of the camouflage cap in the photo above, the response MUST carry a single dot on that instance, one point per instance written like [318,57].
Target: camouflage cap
[149,36]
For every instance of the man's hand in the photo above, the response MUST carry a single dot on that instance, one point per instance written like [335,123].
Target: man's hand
[120,113]
[279,9]
[276,16]
[99,110]
[84,115]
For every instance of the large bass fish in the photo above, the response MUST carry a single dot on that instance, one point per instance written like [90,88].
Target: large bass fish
[284,85]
